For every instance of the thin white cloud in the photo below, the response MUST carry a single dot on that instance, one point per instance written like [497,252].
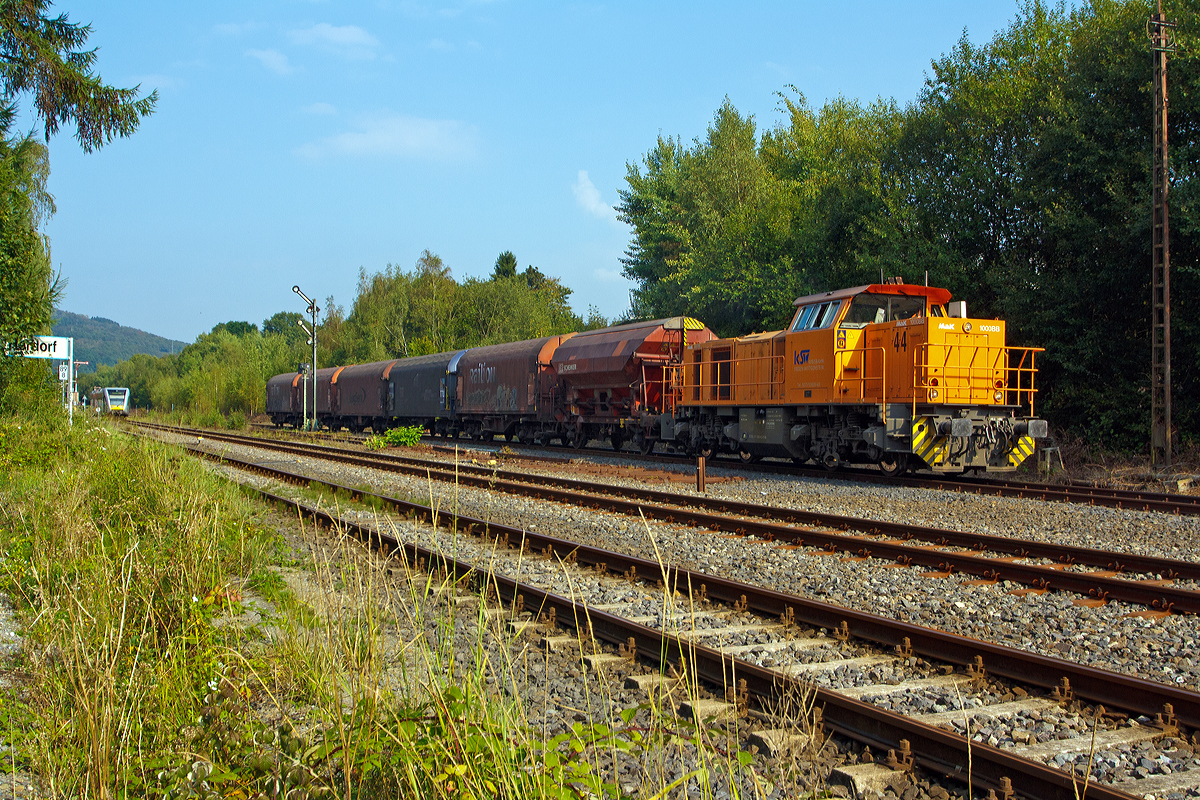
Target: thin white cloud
[347,41]
[400,136]
[447,9]
[588,197]
[441,44]
[608,275]
[236,28]
[273,60]
[320,108]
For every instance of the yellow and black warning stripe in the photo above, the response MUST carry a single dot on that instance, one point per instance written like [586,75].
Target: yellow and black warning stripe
[927,444]
[1022,451]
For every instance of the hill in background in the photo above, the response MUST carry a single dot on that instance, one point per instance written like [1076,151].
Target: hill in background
[102,341]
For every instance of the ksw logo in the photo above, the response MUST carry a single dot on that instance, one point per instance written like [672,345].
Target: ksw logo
[801,357]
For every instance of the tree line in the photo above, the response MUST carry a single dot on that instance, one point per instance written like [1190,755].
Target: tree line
[396,313]
[1019,179]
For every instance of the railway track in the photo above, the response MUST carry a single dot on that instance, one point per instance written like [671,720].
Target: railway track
[1075,492]
[928,741]
[1090,573]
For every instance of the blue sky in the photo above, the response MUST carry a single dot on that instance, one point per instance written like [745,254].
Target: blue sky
[296,142]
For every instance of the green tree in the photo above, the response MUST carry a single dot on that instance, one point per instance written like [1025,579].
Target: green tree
[236,328]
[28,289]
[534,278]
[46,57]
[283,323]
[506,266]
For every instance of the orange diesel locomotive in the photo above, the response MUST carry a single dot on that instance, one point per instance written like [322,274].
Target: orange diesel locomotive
[891,373]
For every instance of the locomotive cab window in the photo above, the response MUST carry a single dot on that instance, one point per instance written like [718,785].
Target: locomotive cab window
[816,316]
[868,309]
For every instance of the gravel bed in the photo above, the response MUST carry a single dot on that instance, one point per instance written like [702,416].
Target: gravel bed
[1165,650]
[1145,533]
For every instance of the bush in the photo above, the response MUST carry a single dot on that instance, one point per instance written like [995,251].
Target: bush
[236,421]
[397,437]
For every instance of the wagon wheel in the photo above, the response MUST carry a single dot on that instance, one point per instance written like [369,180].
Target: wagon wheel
[747,457]
[706,452]
[647,446]
[579,440]
[617,438]
[508,437]
[893,464]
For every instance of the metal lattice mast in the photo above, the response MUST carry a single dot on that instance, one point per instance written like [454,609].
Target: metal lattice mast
[1162,41]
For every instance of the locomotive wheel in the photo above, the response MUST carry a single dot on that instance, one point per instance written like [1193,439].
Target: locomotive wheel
[747,457]
[894,464]
[831,463]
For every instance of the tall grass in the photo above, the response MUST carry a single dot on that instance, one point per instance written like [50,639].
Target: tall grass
[111,545]
[129,563]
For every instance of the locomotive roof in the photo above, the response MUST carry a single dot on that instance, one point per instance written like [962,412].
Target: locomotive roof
[934,293]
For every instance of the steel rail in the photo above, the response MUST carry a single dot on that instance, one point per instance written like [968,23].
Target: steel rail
[1072,493]
[938,750]
[1113,690]
[681,509]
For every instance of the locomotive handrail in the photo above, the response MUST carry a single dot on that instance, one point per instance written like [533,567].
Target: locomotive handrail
[774,386]
[959,376]
[839,371]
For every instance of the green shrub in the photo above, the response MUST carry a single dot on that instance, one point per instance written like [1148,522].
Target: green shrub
[397,437]
[236,421]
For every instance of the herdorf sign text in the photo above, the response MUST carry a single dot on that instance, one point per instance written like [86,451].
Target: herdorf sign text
[43,347]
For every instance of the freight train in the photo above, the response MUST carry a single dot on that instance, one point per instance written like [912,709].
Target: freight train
[891,374]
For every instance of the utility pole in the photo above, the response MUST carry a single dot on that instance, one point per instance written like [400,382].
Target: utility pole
[1162,42]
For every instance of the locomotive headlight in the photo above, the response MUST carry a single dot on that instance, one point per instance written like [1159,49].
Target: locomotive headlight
[933,393]
[999,396]
[967,327]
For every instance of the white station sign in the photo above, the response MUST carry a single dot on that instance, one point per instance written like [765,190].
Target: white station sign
[44,347]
